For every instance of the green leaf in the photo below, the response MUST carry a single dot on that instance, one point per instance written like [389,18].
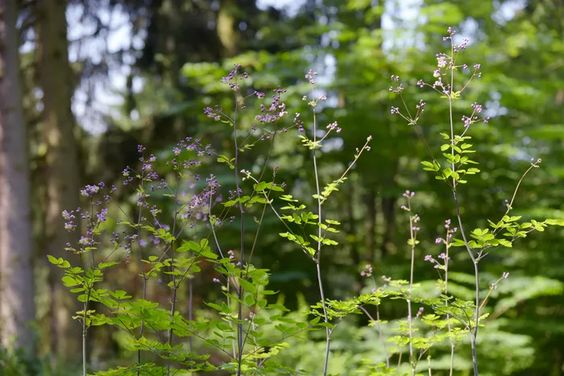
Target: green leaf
[70,281]
[107,264]
[430,166]
[555,221]
[226,160]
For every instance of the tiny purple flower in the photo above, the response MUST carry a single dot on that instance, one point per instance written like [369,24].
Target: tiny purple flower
[102,215]
[421,105]
[334,126]
[441,60]
[467,121]
[408,194]
[310,76]
[367,271]
[89,190]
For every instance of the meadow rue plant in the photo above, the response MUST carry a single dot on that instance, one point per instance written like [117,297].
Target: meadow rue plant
[454,168]
[168,235]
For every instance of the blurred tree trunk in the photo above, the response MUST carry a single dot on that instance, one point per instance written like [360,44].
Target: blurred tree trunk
[62,168]
[17,307]
[370,202]
[226,28]
[389,216]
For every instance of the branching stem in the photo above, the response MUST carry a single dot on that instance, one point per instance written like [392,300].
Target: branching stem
[317,258]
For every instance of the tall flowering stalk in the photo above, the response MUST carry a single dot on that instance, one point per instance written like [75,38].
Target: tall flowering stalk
[87,276]
[310,76]
[321,195]
[299,214]
[456,166]
[412,242]
[450,92]
[456,158]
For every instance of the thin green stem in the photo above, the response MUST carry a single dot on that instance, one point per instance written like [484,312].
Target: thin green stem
[318,252]
[412,242]
[474,330]
[173,274]
[241,241]
[85,331]
[449,326]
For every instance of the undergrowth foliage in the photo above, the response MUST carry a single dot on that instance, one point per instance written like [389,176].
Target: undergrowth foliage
[170,235]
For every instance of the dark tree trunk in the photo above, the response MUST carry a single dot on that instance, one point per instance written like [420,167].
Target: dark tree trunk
[62,168]
[370,202]
[17,307]
[389,215]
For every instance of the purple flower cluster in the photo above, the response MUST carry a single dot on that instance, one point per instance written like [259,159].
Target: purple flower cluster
[91,190]
[397,86]
[231,254]
[259,94]
[276,110]
[461,46]
[420,106]
[147,173]
[128,175]
[443,60]
[98,197]
[408,194]
[102,215]
[234,193]
[232,78]
[436,263]
[198,206]
[298,122]
[213,113]
[70,220]
[450,33]
[474,118]
[334,126]
[415,220]
[193,146]
[367,271]
[449,234]
[450,231]
[311,76]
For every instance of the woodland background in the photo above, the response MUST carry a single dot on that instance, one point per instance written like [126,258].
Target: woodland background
[83,82]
